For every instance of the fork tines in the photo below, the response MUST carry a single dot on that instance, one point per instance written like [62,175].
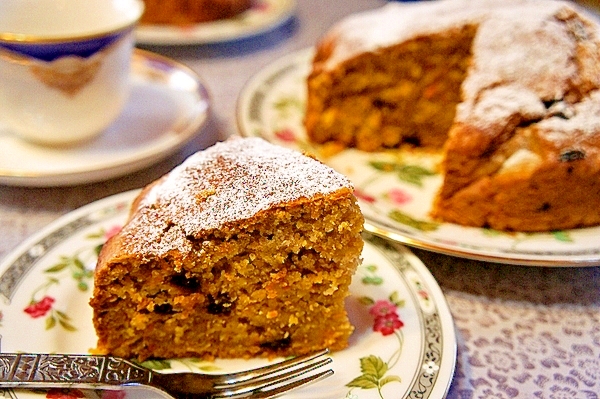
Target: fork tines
[273,380]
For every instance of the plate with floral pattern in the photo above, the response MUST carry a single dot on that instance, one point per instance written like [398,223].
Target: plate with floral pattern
[396,188]
[404,343]
[264,15]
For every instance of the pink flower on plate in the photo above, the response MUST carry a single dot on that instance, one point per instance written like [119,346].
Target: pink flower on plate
[399,196]
[388,324]
[361,195]
[286,135]
[114,394]
[40,308]
[112,232]
[260,5]
[386,317]
[382,308]
[64,393]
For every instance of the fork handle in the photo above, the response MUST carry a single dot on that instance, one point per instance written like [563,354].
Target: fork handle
[20,370]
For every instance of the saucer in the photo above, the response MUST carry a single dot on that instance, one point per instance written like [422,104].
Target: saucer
[167,106]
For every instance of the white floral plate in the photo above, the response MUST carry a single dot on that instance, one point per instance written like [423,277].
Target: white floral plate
[264,15]
[408,349]
[396,188]
[167,106]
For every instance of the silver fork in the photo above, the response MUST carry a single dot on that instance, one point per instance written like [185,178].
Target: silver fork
[36,370]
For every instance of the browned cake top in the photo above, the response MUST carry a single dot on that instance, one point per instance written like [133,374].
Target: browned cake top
[228,182]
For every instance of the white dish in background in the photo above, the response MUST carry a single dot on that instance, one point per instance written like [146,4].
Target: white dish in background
[46,283]
[262,17]
[167,105]
[65,67]
[396,188]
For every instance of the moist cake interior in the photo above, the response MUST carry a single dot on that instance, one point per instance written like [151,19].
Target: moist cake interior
[404,93]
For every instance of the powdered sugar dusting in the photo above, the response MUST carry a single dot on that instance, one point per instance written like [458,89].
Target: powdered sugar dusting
[582,122]
[523,44]
[230,181]
[500,104]
[393,23]
[531,50]
[396,22]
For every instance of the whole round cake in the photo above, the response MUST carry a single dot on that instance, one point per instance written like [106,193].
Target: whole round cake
[508,89]
[182,12]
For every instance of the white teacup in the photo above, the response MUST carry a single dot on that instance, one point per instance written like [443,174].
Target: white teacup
[64,66]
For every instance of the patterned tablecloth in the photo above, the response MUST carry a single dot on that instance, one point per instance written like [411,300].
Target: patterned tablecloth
[523,331]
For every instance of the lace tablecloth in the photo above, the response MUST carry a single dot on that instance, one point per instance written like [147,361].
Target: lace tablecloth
[523,332]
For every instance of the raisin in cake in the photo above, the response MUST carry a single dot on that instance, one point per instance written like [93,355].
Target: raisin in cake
[508,90]
[246,249]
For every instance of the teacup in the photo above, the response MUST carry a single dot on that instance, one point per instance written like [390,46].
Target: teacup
[64,66]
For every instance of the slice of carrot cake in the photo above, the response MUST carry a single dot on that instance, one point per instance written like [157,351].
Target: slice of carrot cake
[246,249]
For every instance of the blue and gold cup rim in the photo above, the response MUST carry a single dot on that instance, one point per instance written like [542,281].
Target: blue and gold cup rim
[49,48]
